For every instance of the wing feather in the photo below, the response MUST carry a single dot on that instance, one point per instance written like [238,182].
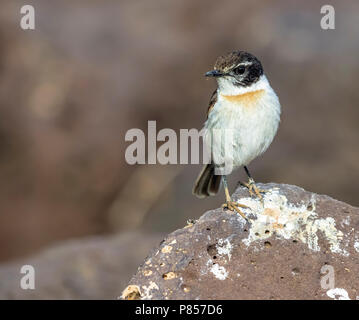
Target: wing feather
[212,102]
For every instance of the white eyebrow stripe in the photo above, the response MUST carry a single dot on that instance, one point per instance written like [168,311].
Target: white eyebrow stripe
[246,63]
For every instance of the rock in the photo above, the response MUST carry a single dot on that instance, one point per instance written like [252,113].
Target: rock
[297,245]
[91,268]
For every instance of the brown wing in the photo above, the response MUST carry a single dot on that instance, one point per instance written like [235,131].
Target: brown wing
[212,102]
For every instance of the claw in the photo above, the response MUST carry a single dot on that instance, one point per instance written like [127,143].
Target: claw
[254,190]
[234,206]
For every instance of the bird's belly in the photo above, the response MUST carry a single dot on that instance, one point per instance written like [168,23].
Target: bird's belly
[247,130]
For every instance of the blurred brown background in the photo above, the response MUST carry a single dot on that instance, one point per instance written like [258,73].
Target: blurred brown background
[91,70]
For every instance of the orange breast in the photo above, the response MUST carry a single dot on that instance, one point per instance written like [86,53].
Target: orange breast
[248,99]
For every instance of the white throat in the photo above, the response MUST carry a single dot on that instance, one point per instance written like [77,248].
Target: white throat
[226,86]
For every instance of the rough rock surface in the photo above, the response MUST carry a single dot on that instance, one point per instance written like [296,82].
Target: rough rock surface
[297,245]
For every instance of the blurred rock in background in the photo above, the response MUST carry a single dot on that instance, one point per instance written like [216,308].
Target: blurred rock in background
[90,268]
[91,70]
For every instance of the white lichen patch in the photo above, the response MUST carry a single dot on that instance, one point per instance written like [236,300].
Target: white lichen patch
[204,269]
[146,295]
[345,221]
[338,294]
[224,247]
[289,221]
[219,271]
[356,246]
[166,249]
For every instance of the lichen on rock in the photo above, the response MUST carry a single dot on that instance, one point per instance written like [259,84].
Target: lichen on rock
[275,214]
[278,254]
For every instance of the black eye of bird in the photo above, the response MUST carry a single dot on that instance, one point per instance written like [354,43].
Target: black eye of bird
[239,70]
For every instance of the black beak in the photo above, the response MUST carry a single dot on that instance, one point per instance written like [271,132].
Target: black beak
[213,73]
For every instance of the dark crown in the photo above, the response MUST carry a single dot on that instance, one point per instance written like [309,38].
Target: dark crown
[229,61]
[242,66]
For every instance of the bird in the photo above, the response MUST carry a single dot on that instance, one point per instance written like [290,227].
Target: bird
[245,105]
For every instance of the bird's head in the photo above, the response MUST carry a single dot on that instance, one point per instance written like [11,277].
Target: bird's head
[238,68]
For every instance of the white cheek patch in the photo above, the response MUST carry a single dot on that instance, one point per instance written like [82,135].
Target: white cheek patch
[226,87]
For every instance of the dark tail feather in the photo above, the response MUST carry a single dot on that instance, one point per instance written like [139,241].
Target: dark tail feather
[207,183]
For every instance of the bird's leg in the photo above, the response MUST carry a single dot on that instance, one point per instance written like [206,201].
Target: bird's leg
[231,205]
[251,185]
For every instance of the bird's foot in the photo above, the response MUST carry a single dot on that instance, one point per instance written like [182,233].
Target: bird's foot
[234,206]
[253,189]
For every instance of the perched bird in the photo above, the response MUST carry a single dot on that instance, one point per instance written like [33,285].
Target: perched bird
[245,104]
